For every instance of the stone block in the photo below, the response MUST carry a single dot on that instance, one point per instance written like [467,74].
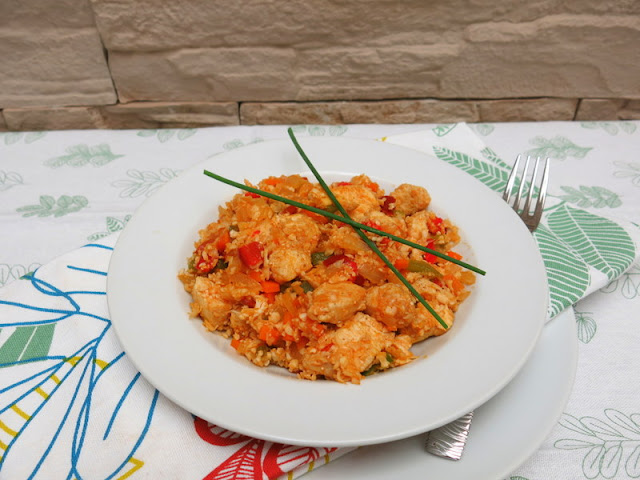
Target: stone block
[280,74]
[600,109]
[528,110]
[170,115]
[143,115]
[51,55]
[53,118]
[151,25]
[400,111]
[554,56]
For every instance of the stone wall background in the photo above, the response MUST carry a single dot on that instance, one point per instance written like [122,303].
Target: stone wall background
[73,64]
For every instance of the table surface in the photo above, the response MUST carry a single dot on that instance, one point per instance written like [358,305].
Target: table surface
[61,190]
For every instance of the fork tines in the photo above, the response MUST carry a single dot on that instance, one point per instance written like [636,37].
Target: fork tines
[527,187]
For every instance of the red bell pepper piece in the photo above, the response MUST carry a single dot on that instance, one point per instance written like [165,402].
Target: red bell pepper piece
[251,254]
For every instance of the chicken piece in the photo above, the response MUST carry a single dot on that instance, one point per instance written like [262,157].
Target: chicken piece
[336,302]
[417,229]
[410,198]
[286,263]
[354,347]
[424,325]
[357,200]
[296,230]
[400,350]
[209,303]
[391,304]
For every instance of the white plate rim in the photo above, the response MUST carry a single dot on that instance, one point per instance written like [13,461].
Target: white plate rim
[348,426]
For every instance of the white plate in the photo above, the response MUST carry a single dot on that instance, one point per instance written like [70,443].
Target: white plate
[505,431]
[495,331]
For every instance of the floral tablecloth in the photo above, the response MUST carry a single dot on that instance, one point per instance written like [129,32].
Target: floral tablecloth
[71,406]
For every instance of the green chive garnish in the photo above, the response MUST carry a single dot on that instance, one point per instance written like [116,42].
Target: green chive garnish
[362,235]
[342,219]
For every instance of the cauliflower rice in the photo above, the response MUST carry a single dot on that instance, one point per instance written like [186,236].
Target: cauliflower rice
[296,289]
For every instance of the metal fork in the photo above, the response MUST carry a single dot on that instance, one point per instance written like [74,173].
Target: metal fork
[448,441]
[530,218]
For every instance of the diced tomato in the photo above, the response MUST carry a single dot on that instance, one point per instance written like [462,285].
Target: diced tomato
[343,184]
[327,347]
[345,260]
[251,194]
[359,280]
[372,224]
[205,266]
[373,186]
[290,209]
[235,343]
[430,257]
[271,298]
[388,204]
[435,225]
[251,254]
[206,260]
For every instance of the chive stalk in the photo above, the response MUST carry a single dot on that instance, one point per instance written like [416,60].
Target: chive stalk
[342,219]
[362,235]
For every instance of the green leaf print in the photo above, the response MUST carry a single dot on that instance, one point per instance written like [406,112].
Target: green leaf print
[9,273]
[586,197]
[600,242]
[442,130]
[337,130]
[31,137]
[237,143]
[483,129]
[9,179]
[559,148]
[493,157]
[586,326]
[629,170]
[628,284]
[493,176]
[48,206]
[82,154]
[12,137]
[612,128]
[144,182]
[316,130]
[185,133]
[147,133]
[113,225]
[26,343]
[606,443]
[165,134]
[567,275]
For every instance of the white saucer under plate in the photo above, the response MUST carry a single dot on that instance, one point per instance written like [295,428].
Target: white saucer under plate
[505,431]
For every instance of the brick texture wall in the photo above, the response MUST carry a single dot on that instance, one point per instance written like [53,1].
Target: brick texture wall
[166,63]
